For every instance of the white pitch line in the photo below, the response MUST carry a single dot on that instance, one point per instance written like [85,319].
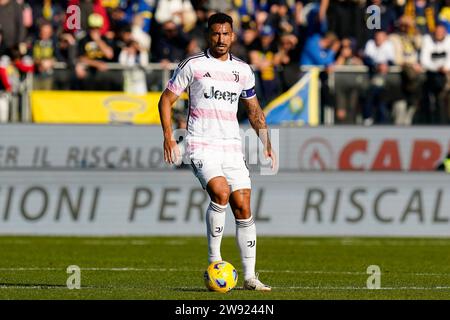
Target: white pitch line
[30,269]
[346,288]
[361,288]
[155,269]
[101,269]
[44,287]
[325,242]
[389,243]
[28,287]
[312,272]
[353,273]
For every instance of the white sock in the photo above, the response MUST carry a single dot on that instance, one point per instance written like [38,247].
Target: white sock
[246,241]
[215,223]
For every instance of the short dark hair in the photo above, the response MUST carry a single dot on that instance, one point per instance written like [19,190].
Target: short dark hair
[220,18]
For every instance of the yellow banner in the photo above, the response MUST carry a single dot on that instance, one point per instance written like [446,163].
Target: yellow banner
[94,107]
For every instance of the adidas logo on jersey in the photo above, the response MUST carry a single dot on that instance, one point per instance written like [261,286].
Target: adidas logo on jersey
[207,75]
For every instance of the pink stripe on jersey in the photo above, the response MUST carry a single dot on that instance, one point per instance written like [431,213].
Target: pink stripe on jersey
[220,76]
[213,114]
[174,88]
[195,146]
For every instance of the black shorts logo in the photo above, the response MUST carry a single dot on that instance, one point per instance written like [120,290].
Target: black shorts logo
[198,164]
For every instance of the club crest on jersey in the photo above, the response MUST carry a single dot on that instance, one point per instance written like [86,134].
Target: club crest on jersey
[221,95]
[236,76]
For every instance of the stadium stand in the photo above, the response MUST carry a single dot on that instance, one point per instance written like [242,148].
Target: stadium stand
[398,75]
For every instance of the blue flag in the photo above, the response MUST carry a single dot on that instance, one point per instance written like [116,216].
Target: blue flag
[299,105]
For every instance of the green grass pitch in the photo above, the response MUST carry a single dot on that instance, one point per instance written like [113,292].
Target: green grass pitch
[172,268]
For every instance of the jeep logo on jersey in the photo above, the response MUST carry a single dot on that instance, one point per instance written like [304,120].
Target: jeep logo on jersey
[221,95]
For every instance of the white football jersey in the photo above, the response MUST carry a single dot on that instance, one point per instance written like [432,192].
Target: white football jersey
[214,88]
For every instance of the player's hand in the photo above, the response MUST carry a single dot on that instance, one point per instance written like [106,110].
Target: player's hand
[271,154]
[172,152]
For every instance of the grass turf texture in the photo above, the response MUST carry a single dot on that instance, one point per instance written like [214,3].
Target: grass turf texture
[172,268]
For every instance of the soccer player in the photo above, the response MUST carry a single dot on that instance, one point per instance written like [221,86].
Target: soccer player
[216,80]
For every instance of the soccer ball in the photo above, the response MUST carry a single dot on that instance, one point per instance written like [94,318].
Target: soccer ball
[220,276]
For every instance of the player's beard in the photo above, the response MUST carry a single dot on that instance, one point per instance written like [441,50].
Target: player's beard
[220,51]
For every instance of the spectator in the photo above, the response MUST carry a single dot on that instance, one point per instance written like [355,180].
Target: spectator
[248,34]
[424,15]
[287,56]
[435,58]
[94,51]
[262,57]
[321,51]
[111,4]
[406,47]
[198,32]
[249,9]
[117,18]
[346,56]
[43,53]
[143,8]
[379,54]
[311,17]
[11,22]
[196,4]
[134,59]
[22,62]
[138,33]
[172,46]
[280,18]
[47,10]
[123,38]
[5,87]
[3,48]
[260,18]
[179,12]
[66,52]
[444,15]
[21,65]
[347,92]
[346,18]
[27,14]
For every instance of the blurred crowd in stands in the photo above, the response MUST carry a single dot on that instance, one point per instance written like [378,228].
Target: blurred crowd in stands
[276,37]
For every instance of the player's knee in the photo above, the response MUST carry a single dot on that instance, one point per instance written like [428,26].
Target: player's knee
[242,212]
[221,197]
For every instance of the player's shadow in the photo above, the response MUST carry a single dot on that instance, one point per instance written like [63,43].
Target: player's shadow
[198,289]
[190,289]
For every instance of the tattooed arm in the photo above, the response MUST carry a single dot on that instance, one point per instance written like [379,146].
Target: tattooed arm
[258,121]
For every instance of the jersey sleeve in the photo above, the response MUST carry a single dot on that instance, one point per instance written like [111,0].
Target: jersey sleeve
[249,85]
[181,79]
